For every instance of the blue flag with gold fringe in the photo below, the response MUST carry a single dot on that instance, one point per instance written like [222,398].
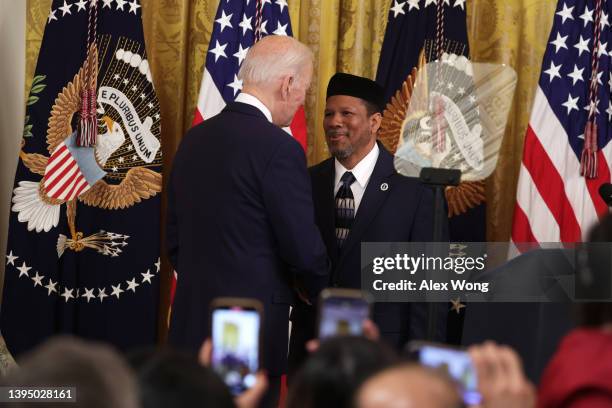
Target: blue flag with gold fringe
[420,31]
[83,245]
[412,29]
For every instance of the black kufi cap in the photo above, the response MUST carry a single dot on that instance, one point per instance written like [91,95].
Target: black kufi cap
[359,87]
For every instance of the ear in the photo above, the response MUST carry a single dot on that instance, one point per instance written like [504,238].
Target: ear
[286,83]
[375,121]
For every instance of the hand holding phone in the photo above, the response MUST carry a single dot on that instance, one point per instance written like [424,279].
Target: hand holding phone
[342,312]
[236,341]
[455,362]
[505,383]
[251,397]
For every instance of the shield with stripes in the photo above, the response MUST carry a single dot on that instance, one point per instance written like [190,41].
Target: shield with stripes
[71,171]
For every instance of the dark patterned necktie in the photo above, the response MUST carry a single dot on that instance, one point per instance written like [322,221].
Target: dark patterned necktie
[345,208]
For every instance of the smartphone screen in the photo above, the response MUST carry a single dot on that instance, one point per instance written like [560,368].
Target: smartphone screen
[457,364]
[235,338]
[341,316]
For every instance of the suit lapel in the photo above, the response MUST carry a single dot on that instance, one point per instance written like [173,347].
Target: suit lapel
[376,192]
[323,186]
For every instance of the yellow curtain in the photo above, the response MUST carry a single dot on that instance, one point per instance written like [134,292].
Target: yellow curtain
[345,35]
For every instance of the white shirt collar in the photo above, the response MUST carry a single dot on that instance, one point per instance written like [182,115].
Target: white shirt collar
[362,171]
[253,101]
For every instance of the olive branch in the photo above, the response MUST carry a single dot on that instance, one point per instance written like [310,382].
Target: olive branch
[37,87]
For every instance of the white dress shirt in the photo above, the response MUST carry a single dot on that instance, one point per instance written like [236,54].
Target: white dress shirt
[362,172]
[253,101]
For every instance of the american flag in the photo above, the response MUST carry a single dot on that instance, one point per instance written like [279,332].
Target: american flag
[554,202]
[233,34]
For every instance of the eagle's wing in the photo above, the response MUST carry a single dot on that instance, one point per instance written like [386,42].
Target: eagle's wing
[468,194]
[139,183]
[36,163]
[395,114]
[67,104]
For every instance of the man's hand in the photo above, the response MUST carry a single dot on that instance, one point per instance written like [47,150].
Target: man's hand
[205,353]
[251,397]
[501,380]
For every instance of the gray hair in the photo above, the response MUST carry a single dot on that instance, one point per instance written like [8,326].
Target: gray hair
[100,375]
[273,57]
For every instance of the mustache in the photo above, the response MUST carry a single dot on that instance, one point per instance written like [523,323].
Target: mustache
[335,132]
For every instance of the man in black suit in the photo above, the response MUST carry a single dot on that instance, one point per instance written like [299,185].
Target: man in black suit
[359,197]
[240,212]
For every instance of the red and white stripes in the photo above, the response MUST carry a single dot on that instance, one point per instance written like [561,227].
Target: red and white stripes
[554,202]
[63,179]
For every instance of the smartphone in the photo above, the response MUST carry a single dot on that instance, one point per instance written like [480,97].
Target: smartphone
[342,312]
[236,341]
[455,361]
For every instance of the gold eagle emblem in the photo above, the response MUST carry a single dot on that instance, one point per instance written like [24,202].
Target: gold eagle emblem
[41,211]
[468,194]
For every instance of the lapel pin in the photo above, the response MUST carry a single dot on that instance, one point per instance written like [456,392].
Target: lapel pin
[384,187]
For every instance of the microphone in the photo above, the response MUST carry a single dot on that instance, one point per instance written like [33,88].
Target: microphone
[605,191]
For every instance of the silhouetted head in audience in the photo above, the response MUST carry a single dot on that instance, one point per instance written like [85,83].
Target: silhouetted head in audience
[170,379]
[599,251]
[331,375]
[99,375]
[409,386]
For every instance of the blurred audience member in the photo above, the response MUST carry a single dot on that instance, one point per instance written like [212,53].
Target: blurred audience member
[580,373]
[408,386]
[501,380]
[101,378]
[331,375]
[171,379]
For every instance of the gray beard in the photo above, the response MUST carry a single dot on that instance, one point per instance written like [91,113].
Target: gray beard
[342,154]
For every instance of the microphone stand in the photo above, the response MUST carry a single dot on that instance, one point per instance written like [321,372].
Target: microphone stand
[438,179]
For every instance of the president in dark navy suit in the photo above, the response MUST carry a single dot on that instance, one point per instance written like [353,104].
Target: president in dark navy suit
[359,197]
[240,211]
